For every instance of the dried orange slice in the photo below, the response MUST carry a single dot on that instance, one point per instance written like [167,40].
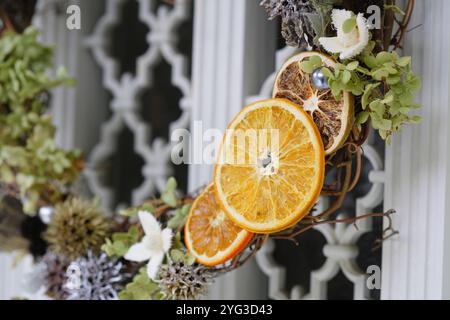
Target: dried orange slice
[209,234]
[270,185]
[333,118]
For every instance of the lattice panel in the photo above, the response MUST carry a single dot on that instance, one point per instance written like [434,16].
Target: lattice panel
[341,249]
[127,88]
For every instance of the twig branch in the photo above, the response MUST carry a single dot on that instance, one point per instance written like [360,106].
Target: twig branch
[316,223]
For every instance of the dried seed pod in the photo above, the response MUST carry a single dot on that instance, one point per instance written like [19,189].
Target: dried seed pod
[77,226]
[183,282]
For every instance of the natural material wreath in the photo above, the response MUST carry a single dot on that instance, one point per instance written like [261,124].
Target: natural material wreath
[346,80]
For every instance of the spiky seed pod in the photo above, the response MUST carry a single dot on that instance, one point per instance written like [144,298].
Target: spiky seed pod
[296,26]
[182,282]
[98,278]
[77,226]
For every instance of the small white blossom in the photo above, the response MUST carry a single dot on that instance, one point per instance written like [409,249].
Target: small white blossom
[153,246]
[349,44]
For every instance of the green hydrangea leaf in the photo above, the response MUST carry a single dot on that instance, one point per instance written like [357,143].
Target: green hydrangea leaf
[346,76]
[180,217]
[383,57]
[310,64]
[385,124]
[362,117]
[171,184]
[27,135]
[370,61]
[416,119]
[177,243]
[391,80]
[394,8]
[168,196]
[120,242]
[177,255]
[378,107]
[403,61]
[352,65]
[189,259]
[367,92]
[141,288]
[327,73]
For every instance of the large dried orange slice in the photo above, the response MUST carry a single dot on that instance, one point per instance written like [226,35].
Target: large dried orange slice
[209,234]
[270,185]
[333,118]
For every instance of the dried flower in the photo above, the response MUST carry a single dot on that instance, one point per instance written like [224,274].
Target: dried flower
[31,163]
[77,226]
[352,34]
[153,246]
[96,278]
[50,273]
[182,282]
[303,22]
[296,28]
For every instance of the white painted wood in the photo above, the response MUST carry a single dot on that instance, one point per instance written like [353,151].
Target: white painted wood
[417,262]
[233,54]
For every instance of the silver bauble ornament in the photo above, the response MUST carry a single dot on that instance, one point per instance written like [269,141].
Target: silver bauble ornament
[319,80]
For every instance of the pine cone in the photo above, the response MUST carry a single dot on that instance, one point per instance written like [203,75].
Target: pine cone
[182,282]
[77,226]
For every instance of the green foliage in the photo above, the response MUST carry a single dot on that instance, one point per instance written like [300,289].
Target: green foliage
[310,64]
[141,288]
[182,256]
[169,196]
[133,211]
[384,84]
[179,219]
[394,8]
[120,242]
[29,157]
[177,242]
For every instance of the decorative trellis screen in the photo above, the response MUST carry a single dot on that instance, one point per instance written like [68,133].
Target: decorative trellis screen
[128,88]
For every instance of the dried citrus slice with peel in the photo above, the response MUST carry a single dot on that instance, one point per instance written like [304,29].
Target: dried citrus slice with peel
[209,234]
[333,118]
[269,186]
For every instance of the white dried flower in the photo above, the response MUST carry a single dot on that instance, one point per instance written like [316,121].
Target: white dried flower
[153,246]
[347,44]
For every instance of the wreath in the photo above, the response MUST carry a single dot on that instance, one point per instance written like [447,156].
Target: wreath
[276,158]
